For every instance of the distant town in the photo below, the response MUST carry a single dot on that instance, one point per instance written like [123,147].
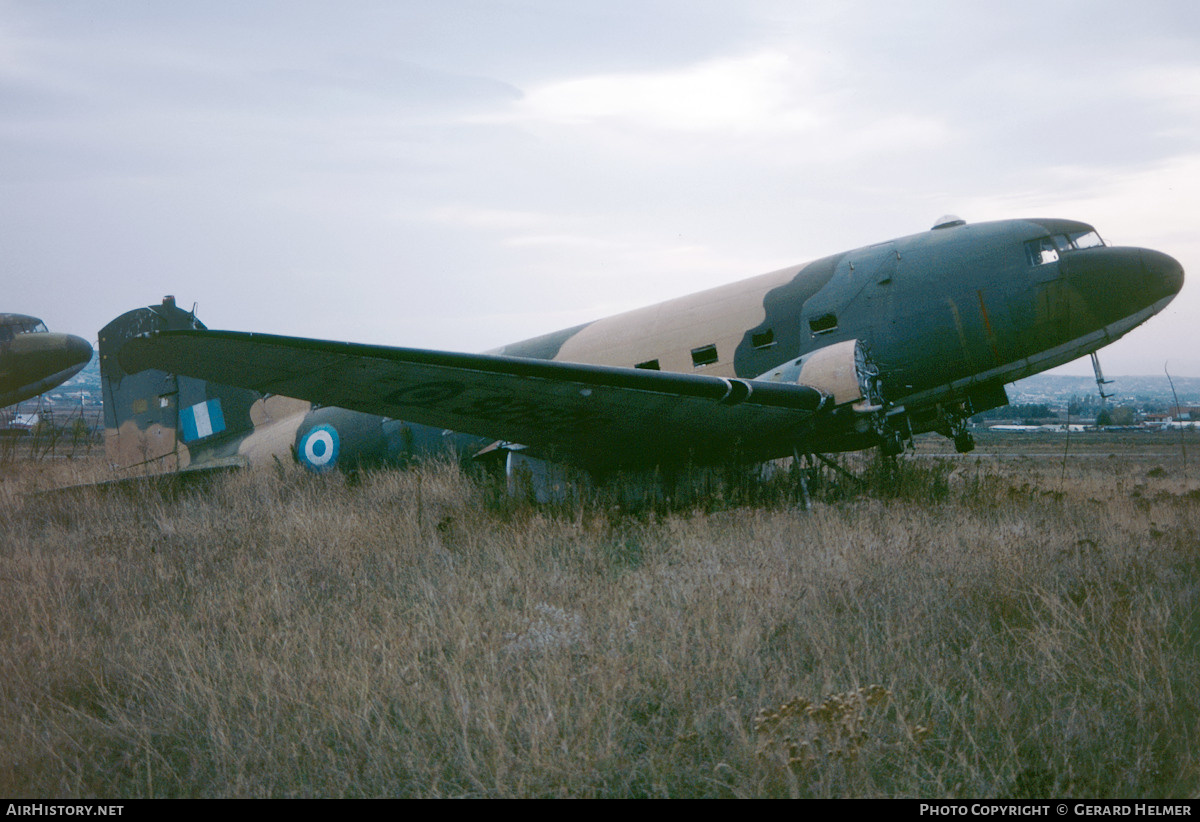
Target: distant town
[77,404]
[1045,402]
[1051,401]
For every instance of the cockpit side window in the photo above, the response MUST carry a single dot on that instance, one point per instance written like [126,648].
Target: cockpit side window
[1041,251]
[1045,250]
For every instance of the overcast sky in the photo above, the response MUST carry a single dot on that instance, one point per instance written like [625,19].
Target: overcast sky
[460,175]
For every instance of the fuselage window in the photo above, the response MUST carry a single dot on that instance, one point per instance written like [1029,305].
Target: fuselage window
[823,323]
[763,339]
[704,355]
[649,365]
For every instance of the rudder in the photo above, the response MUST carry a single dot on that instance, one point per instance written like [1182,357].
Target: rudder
[159,421]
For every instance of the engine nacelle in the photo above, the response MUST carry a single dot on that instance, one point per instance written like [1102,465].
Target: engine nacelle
[842,371]
[845,373]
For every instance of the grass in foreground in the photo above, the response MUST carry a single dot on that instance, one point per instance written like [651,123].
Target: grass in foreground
[980,629]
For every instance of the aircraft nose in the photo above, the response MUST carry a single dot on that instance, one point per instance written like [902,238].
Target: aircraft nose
[1162,270]
[77,350]
[1122,279]
[56,353]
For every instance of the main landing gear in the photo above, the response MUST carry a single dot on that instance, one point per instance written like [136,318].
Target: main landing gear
[954,426]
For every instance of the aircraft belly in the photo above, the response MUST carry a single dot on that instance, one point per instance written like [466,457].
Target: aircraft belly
[23,391]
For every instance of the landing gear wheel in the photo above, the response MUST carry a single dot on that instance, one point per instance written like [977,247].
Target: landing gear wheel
[964,442]
[892,445]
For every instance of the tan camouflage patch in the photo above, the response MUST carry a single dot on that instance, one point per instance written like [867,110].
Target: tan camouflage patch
[274,407]
[669,331]
[155,449]
[274,437]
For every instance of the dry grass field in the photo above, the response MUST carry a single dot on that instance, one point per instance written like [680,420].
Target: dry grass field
[981,627]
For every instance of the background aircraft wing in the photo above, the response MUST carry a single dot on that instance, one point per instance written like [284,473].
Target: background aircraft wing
[587,415]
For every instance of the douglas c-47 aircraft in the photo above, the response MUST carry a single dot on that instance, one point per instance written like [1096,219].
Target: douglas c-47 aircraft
[860,349]
[33,360]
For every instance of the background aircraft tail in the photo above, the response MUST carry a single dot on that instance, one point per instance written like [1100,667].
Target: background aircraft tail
[163,422]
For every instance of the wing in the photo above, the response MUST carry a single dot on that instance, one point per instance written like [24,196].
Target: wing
[593,416]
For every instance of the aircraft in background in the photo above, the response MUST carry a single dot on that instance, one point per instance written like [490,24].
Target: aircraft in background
[859,349]
[33,360]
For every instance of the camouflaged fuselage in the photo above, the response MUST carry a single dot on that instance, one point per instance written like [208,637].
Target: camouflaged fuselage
[945,314]
[937,322]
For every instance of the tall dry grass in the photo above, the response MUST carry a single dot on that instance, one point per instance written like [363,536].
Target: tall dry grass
[958,629]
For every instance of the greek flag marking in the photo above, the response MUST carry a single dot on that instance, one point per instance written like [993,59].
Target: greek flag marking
[202,420]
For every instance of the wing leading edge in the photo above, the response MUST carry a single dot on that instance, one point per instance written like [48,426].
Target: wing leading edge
[593,416]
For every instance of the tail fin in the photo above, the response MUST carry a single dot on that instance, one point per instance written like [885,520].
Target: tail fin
[160,421]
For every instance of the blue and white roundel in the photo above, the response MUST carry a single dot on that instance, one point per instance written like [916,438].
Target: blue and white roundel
[319,448]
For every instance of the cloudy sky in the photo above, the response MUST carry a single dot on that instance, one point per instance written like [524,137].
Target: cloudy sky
[461,174]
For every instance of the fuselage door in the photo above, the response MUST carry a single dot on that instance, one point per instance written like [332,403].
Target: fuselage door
[845,304]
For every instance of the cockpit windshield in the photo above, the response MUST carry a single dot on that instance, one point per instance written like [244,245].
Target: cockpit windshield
[21,325]
[1048,249]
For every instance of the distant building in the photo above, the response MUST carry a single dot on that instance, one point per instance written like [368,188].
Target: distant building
[24,422]
[1184,415]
